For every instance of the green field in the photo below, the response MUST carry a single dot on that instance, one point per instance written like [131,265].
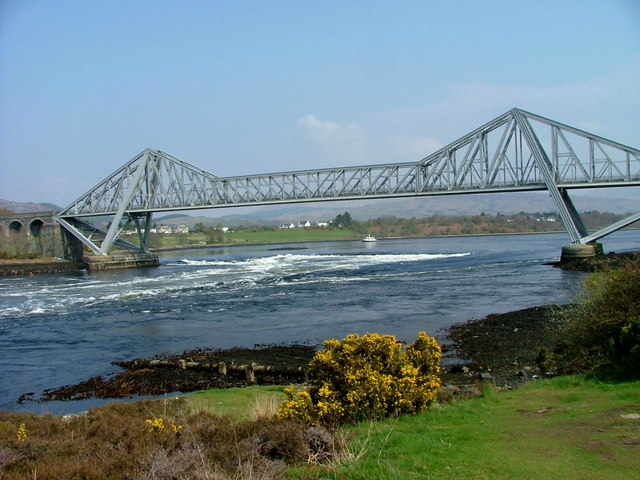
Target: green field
[567,427]
[292,235]
[564,428]
[238,402]
[254,237]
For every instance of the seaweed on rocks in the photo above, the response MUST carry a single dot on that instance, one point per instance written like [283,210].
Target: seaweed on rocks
[192,370]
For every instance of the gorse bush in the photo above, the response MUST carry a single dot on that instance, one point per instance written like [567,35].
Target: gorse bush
[365,378]
[602,333]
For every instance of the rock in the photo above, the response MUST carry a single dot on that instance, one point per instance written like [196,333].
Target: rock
[632,416]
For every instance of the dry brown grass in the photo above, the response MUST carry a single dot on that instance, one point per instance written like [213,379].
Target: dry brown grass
[118,441]
[264,407]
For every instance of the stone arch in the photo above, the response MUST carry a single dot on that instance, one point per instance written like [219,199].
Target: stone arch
[15,226]
[35,227]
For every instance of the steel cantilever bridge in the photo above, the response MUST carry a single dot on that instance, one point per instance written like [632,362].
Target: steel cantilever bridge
[517,151]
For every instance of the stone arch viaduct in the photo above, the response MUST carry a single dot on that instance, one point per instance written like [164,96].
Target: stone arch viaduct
[37,232]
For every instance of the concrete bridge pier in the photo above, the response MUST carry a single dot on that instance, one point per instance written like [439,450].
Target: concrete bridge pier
[575,251]
[121,260]
[74,250]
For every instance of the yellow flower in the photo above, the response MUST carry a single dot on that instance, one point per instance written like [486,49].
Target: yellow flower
[22,433]
[156,425]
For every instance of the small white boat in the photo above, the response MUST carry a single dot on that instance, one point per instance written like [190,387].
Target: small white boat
[369,238]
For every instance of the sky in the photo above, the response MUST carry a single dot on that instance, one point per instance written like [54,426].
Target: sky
[248,87]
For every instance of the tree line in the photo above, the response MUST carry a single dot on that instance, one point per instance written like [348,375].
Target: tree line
[392,226]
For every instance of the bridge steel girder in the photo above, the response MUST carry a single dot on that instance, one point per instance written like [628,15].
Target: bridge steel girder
[568,213]
[517,151]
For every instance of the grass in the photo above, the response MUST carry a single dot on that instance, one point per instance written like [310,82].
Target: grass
[567,428]
[257,237]
[241,403]
[292,235]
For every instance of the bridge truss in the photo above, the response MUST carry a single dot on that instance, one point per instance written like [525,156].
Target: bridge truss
[517,151]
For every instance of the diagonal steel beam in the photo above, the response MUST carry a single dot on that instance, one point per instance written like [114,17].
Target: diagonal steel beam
[567,210]
[614,227]
[115,228]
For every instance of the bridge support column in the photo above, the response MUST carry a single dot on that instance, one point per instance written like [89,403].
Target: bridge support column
[121,260]
[72,248]
[580,250]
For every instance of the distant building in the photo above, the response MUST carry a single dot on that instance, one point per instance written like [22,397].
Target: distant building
[164,229]
[322,224]
[181,229]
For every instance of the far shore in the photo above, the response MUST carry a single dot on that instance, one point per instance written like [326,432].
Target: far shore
[352,239]
[174,248]
[47,265]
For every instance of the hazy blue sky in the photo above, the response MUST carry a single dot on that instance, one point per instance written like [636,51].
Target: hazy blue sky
[240,87]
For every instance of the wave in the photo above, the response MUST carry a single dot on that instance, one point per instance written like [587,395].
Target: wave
[189,278]
[277,260]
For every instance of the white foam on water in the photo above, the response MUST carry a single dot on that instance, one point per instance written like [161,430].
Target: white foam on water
[208,275]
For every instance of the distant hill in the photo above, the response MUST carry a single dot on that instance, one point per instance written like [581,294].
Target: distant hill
[619,201]
[27,207]
[491,204]
[173,216]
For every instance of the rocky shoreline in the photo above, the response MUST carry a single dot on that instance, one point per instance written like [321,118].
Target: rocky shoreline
[599,262]
[500,349]
[38,266]
[192,370]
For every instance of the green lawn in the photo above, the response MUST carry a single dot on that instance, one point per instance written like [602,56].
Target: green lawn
[258,237]
[238,402]
[566,428]
[292,235]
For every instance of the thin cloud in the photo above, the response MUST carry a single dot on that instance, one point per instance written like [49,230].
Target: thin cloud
[334,144]
[593,105]
[409,148]
[316,127]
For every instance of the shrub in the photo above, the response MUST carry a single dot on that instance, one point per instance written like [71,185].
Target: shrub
[363,378]
[602,333]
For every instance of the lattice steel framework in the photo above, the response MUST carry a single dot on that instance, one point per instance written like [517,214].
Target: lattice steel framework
[517,151]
